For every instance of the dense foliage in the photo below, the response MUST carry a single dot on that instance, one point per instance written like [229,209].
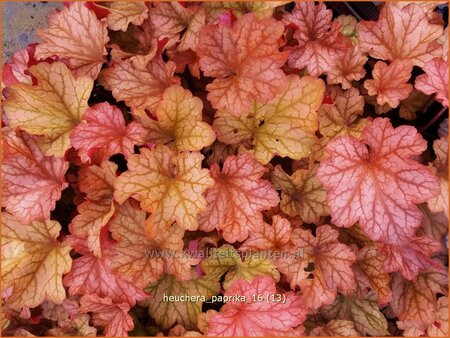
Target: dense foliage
[227,169]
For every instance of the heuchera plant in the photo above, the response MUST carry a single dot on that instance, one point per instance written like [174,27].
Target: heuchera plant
[227,169]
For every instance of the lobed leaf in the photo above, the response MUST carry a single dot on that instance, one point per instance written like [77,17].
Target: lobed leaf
[235,202]
[50,108]
[285,126]
[33,262]
[244,60]
[363,184]
[75,34]
[32,182]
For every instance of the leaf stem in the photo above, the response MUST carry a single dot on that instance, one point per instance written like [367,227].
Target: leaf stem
[431,122]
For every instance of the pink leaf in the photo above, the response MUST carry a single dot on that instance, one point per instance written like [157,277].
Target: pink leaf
[103,130]
[93,275]
[435,80]
[112,316]
[410,257]
[376,182]
[237,198]
[32,182]
[257,318]
[320,42]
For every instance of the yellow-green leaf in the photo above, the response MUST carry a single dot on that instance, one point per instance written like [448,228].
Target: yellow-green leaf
[366,315]
[51,108]
[301,194]
[341,328]
[186,304]
[179,121]
[226,260]
[285,126]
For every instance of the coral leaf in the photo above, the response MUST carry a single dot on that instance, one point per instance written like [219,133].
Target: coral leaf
[375,181]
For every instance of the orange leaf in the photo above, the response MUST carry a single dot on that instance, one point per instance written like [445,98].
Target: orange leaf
[33,262]
[245,60]
[348,25]
[375,181]
[139,84]
[180,24]
[185,312]
[338,327]
[434,225]
[368,270]
[235,203]
[261,9]
[414,103]
[390,82]
[18,68]
[363,312]
[409,257]
[348,68]
[32,182]
[331,265]
[139,44]
[140,258]
[97,183]
[275,237]
[186,58]
[122,13]
[342,116]
[168,185]
[104,132]
[112,316]
[416,300]
[51,108]
[93,275]
[77,35]
[443,40]
[320,42]
[401,33]
[440,203]
[440,325]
